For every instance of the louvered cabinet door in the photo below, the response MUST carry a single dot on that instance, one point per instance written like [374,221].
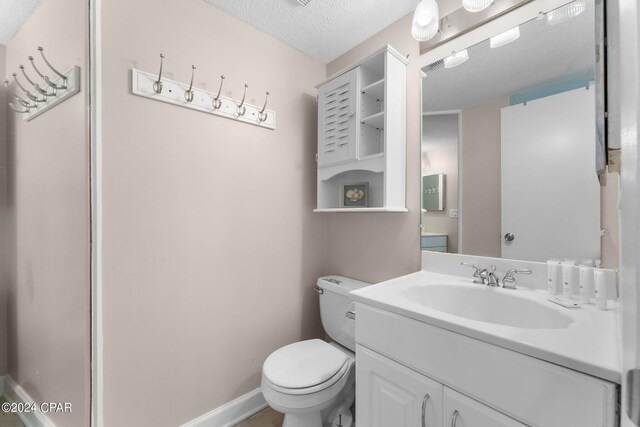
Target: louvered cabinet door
[337,119]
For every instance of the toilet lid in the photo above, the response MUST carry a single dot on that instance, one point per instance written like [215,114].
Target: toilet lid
[303,364]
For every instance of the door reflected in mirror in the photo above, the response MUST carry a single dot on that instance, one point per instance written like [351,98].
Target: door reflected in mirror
[516,133]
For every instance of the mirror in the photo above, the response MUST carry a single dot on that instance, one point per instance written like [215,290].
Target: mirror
[511,126]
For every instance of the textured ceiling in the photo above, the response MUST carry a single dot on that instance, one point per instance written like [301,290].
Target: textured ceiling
[324,29]
[543,55]
[13,13]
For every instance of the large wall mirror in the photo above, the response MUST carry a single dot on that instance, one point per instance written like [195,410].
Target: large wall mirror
[512,133]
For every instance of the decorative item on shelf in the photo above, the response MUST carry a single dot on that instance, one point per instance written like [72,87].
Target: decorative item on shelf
[156,87]
[354,195]
[66,85]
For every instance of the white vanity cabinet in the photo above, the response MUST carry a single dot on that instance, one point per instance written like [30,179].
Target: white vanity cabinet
[399,361]
[362,134]
[393,395]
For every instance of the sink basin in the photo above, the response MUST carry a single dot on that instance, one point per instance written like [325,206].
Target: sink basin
[489,305]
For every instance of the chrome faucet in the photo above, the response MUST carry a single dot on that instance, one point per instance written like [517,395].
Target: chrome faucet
[509,279]
[478,279]
[489,276]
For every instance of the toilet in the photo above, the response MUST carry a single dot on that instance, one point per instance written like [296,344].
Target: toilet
[312,382]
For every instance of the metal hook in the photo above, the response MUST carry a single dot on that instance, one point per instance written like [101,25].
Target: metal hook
[62,76]
[22,102]
[157,85]
[26,92]
[13,107]
[262,116]
[241,109]
[35,85]
[43,77]
[189,93]
[217,102]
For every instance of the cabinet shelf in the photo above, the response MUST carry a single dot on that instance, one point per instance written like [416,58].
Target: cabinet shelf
[375,120]
[375,89]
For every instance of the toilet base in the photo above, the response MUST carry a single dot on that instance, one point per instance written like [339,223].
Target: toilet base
[311,419]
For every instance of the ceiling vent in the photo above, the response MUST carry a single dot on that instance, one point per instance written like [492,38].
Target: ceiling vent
[435,65]
[304,2]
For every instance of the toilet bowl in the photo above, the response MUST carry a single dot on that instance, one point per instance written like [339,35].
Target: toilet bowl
[313,382]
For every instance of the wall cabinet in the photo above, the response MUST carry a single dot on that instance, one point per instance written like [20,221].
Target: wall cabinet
[362,134]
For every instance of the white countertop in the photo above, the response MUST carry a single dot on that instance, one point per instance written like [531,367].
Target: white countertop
[589,344]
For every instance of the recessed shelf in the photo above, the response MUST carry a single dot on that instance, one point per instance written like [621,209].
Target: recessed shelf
[362,210]
[375,120]
[375,89]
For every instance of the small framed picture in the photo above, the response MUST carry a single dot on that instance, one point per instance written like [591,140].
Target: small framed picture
[354,195]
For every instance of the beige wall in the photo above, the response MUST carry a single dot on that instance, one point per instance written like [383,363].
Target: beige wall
[443,160]
[480,206]
[48,216]
[4,279]
[210,249]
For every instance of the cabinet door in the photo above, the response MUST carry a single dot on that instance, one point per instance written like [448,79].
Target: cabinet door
[389,394]
[337,119]
[461,411]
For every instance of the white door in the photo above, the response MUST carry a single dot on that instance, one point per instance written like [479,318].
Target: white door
[389,394]
[461,411]
[550,191]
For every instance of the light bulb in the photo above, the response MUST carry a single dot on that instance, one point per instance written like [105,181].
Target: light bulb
[456,59]
[566,12]
[426,20]
[505,38]
[476,5]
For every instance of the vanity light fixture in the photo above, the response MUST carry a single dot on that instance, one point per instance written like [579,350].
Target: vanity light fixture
[566,12]
[476,5]
[426,20]
[456,58]
[505,38]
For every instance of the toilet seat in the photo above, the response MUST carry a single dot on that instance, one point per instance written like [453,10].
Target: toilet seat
[301,366]
[313,388]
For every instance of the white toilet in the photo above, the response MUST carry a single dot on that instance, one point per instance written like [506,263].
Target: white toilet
[313,382]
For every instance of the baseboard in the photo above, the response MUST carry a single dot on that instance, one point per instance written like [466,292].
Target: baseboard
[231,413]
[16,394]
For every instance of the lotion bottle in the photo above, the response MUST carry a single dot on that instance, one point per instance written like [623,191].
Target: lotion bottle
[586,283]
[600,286]
[568,278]
[553,266]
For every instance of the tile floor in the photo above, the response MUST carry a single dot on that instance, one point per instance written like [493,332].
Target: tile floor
[265,418]
[12,420]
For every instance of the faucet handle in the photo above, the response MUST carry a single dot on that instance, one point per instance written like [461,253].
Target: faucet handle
[509,279]
[477,273]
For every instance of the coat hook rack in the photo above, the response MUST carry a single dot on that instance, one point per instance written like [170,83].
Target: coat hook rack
[157,85]
[20,100]
[61,88]
[217,102]
[154,86]
[188,95]
[241,108]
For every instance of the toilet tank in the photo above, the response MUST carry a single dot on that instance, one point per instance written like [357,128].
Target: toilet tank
[335,301]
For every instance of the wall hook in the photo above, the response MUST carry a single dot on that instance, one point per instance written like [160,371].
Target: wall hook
[262,116]
[36,86]
[23,111]
[22,102]
[241,109]
[217,102]
[62,76]
[157,85]
[26,92]
[188,95]
[43,77]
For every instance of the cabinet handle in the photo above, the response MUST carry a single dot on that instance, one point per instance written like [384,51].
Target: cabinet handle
[424,409]
[454,418]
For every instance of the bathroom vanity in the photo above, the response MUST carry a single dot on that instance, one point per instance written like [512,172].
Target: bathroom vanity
[438,350]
